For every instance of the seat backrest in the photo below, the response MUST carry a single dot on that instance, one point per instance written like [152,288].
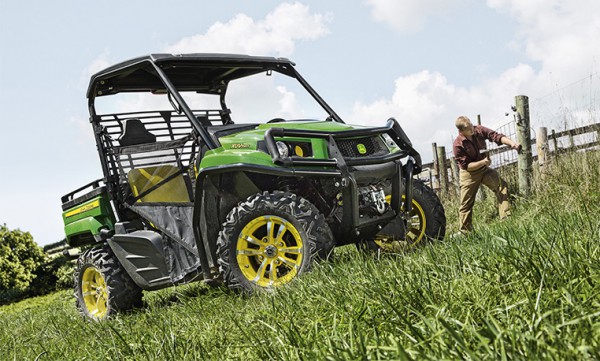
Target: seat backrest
[203,119]
[142,179]
[134,132]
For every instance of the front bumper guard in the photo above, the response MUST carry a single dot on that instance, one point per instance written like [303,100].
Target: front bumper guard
[351,214]
[392,129]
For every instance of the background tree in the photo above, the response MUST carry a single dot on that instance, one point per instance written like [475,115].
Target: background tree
[20,256]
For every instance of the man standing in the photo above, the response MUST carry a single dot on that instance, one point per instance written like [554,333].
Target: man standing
[474,169]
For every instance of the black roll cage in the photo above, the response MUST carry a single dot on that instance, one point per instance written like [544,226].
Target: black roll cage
[128,76]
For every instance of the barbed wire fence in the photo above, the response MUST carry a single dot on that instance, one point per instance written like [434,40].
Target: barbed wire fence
[572,112]
[573,106]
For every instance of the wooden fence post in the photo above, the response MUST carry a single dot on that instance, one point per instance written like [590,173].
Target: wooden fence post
[542,150]
[481,192]
[436,172]
[455,174]
[524,158]
[555,142]
[442,169]
[571,140]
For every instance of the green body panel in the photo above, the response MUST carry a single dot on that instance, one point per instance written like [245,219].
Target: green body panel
[243,147]
[89,217]
[325,126]
[223,156]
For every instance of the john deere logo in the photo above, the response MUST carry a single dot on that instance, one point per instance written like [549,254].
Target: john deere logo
[361,148]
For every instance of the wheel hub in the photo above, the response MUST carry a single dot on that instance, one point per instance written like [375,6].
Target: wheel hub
[271,251]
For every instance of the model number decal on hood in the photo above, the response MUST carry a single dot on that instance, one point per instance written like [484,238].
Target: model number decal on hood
[240,146]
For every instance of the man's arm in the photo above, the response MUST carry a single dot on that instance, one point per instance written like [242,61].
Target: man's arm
[498,138]
[463,159]
[473,166]
[514,145]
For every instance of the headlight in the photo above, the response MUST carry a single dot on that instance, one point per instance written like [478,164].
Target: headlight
[294,149]
[283,149]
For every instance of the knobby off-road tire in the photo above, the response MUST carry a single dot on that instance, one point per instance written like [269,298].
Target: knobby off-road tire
[269,240]
[102,287]
[426,223]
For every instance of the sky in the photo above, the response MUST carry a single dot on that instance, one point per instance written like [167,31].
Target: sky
[424,62]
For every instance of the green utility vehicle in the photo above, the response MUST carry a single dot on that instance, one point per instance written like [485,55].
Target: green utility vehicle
[199,184]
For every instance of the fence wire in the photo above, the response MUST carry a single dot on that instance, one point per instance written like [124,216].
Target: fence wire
[571,115]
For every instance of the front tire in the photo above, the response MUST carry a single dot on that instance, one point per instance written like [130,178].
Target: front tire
[102,287]
[269,240]
[426,222]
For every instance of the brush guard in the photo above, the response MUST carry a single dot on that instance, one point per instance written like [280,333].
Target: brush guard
[351,217]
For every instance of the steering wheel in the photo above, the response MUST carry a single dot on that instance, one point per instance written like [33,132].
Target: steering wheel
[276,120]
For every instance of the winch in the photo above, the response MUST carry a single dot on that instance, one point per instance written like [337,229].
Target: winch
[371,200]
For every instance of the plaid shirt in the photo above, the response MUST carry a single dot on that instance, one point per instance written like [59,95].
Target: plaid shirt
[467,151]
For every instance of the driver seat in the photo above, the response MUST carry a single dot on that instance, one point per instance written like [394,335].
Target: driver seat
[134,132]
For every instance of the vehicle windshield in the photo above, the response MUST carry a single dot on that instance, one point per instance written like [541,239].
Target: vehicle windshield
[262,97]
[254,99]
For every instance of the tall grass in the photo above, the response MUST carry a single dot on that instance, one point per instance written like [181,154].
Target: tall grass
[524,288]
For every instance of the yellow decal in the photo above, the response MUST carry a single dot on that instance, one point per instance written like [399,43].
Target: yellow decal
[240,146]
[84,208]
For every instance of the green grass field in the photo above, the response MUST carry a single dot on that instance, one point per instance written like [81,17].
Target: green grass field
[525,288]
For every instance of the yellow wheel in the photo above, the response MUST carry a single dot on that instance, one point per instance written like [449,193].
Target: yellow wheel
[425,222]
[269,240]
[411,234]
[269,251]
[94,292]
[102,287]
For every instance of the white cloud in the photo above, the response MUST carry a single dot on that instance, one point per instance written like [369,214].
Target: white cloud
[288,103]
[409,15]
[422,103]
[276,34]
[426,104]
[561,35]
[560,39]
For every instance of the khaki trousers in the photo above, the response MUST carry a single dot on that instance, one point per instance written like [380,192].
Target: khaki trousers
[469,184]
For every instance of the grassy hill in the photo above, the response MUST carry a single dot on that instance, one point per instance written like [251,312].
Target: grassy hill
[524,288]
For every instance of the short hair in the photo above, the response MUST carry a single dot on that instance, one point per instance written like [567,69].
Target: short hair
[462,122]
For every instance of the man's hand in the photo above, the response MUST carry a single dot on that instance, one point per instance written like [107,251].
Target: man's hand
[511,143]
[516,146]
[473,166]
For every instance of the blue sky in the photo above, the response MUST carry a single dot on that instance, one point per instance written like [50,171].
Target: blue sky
[422,61]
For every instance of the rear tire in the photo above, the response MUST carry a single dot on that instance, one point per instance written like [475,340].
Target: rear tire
[269,240]
[102,287]
[427,222]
